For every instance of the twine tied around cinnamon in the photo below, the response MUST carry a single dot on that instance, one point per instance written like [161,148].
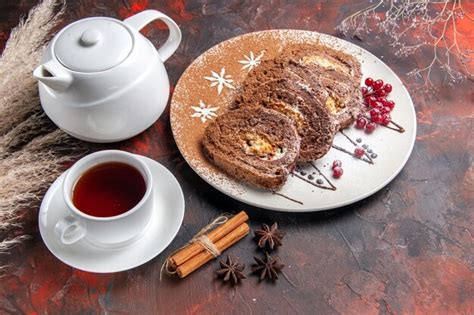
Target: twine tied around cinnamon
[200,238]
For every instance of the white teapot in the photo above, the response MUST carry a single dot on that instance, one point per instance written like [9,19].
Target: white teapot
[103,81]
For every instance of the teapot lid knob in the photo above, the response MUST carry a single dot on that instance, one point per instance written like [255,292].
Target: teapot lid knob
[90,37]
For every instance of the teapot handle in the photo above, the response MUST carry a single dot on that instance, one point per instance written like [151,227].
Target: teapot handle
[138,21]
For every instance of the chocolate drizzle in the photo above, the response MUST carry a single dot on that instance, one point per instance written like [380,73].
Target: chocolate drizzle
[316,184]
[397,128]
[327,179]
[366,158]
[286,197]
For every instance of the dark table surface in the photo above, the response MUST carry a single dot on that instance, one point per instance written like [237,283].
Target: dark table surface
[408,248]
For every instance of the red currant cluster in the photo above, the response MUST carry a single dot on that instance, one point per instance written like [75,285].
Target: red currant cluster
[374,94]
[337,170]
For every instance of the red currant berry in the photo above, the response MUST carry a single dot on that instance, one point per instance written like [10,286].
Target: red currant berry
[390,104]
[361,122]
[387,88]
[336,163]
[369,81]
[370,127]
[374,112]
[377,84]
[359,152]
[379,105]
[337,172]
[370,99]
[387,109]
[385,119]
[380,92]
[376,119]
[364,90]
[383,100]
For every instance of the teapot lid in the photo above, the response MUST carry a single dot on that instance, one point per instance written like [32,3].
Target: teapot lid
[93,44]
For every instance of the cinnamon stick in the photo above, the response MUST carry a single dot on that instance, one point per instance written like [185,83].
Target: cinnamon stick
[215,235]
[203,257]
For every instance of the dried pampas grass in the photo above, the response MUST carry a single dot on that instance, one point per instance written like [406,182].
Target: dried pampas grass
[33,152]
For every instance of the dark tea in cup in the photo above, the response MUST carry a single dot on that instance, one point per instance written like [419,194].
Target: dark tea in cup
[108,189]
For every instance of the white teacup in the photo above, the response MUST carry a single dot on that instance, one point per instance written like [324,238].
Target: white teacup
[115,231]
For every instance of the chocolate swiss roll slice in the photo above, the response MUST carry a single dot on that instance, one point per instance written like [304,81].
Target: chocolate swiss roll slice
[333,75]
[257,145]
[312,120]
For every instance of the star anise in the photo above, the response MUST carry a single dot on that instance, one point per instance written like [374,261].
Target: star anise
[268,267]
[231,270]
[270,237]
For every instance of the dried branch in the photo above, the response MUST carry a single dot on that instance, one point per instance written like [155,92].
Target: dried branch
[416,25]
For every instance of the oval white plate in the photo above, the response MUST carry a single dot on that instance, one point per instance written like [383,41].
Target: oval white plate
[208,85]
[166,221]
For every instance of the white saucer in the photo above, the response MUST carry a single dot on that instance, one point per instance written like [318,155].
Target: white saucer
[166,221]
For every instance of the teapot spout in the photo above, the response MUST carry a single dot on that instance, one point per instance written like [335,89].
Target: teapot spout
[53,75]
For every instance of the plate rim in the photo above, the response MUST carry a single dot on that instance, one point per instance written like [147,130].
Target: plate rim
[309,209]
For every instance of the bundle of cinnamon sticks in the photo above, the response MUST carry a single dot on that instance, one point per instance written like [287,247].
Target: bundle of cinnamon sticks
[194,255]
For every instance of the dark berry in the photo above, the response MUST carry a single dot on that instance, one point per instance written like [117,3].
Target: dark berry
[370,127]
[377,84]
[359,152]
[336,163]
[337,172]
[361,122]
[369,81]
[387,88]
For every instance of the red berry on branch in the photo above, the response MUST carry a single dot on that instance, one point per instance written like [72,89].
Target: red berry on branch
[336,163]
[377,84]
[390,104]
[379,105]
[369,81]
[386,119]
[371,101]
[381,92]
[377,119]
[387,88]
[364,90]
[361,122]
[370,127]
[359,152]
[337,172]
[374,112]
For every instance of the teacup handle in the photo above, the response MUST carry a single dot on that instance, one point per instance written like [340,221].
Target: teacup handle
[70,230]
[139,20]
